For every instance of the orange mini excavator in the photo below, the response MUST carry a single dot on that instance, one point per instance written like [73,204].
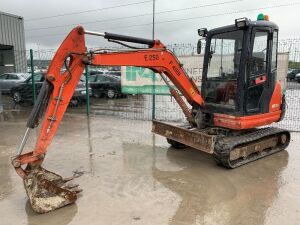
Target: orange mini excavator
[239,93]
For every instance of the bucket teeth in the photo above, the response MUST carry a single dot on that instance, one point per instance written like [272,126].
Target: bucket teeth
[48,191]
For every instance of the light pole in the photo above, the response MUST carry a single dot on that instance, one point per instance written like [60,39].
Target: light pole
[153,19]
[153,77]
[38,49]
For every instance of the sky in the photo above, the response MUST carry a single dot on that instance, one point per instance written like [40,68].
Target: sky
[176,21]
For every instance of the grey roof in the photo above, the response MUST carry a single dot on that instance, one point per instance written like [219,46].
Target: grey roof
[12,15]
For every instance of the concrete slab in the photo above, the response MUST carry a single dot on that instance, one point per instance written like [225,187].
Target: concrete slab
[131,176]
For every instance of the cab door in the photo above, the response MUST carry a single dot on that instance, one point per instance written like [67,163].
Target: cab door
[258,72]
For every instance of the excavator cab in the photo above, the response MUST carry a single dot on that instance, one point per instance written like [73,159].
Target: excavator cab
[239,71]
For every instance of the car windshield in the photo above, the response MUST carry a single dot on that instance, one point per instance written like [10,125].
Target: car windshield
[117,77]
[24,76]
[82,78]
[37,78]
[92,78]
[113,78]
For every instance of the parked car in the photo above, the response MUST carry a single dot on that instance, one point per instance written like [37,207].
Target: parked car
[23,91]
[9,80]
[291,75]
[105,85]
[114,73]
[95,72]
[297,77]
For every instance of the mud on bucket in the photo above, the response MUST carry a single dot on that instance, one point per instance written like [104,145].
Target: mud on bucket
[48,191]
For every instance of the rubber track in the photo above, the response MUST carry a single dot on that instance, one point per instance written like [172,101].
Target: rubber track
[224,145]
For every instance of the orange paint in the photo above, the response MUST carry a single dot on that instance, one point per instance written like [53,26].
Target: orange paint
[276,98]
[74,42]
[261,79]
[245,122]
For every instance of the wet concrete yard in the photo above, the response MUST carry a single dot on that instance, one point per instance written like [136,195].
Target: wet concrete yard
[131,176]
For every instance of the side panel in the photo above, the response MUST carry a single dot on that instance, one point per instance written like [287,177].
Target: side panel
[276,98]
[246,122]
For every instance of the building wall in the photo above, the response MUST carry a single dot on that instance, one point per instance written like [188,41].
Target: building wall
[12,43]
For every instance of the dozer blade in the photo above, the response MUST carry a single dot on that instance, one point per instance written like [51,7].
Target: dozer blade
[48,191]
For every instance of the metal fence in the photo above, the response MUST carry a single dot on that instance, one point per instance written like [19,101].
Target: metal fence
[141,106]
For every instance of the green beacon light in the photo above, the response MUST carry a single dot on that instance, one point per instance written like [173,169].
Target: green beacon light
[260,17]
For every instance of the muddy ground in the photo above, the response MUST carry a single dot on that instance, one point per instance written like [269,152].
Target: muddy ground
[131,176]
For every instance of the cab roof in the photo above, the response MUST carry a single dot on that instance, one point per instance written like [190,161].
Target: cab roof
[232,27]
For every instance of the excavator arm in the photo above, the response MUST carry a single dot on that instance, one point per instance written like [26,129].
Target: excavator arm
[71,58]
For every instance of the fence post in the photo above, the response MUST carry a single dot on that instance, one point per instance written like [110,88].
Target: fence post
[87,94]
[153,96]
[32,77]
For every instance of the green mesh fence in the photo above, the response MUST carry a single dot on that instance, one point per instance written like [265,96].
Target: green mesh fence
[139,106]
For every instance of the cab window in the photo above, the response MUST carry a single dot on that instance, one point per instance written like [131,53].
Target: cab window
[274,51]
[223,68]
[225,56]
[259,53]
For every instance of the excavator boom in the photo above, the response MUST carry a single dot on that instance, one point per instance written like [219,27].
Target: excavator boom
[72,55]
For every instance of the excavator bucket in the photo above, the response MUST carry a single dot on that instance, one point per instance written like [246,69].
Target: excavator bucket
[48,191]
